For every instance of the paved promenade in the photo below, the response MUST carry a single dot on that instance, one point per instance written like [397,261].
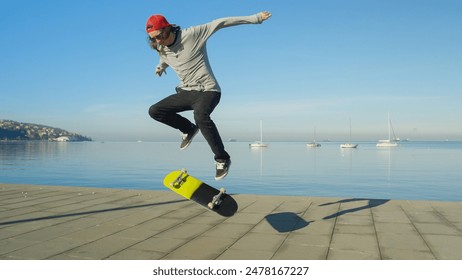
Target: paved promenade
[62,223]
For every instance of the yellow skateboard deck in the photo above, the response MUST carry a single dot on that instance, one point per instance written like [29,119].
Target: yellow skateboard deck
[180,182]
[175,180]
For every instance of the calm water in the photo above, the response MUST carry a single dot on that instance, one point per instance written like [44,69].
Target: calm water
[414,170]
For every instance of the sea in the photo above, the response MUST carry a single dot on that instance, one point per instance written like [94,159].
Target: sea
[415,170]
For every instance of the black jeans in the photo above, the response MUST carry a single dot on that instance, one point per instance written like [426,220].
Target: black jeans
[203,103]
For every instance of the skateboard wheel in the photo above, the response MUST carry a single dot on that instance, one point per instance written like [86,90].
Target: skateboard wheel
[210,205]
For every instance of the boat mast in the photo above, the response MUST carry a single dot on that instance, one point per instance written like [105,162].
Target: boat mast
[261,132]
[389,128]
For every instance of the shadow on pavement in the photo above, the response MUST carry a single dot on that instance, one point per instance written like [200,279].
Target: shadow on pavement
[286,221]
[372,203]
[87,212]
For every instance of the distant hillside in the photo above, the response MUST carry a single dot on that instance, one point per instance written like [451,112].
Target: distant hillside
[12,130]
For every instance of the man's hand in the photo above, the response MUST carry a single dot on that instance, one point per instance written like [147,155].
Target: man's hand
[265,15]
[159,72]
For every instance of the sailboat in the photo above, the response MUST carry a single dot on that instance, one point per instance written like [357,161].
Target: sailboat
[349,144]
[259,144]
[390,142]
[313,144]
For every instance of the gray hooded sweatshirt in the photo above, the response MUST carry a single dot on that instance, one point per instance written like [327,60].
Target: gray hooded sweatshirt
[188,54]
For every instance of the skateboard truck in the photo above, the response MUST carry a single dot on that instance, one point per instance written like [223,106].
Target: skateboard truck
[217,199]
[180,179]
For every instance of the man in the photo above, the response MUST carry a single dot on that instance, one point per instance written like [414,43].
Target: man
[185,51]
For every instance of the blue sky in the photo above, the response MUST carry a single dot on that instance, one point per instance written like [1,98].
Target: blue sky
[85,66]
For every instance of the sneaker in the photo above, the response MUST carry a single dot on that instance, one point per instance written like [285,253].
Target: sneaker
[222,169]
[187,138]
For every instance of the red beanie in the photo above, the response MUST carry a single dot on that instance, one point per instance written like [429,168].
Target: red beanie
[156,22]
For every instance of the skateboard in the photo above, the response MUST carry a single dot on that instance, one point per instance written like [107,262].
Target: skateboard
[181,182]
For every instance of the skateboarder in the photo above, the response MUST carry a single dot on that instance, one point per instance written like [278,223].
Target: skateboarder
[184,50]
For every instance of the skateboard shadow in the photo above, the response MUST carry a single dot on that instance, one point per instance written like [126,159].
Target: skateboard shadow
[372,203]
[286,221]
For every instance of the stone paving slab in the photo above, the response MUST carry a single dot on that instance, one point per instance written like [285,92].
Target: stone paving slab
[78,223]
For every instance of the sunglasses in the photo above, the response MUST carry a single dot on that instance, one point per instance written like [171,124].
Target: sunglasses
[158,36]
